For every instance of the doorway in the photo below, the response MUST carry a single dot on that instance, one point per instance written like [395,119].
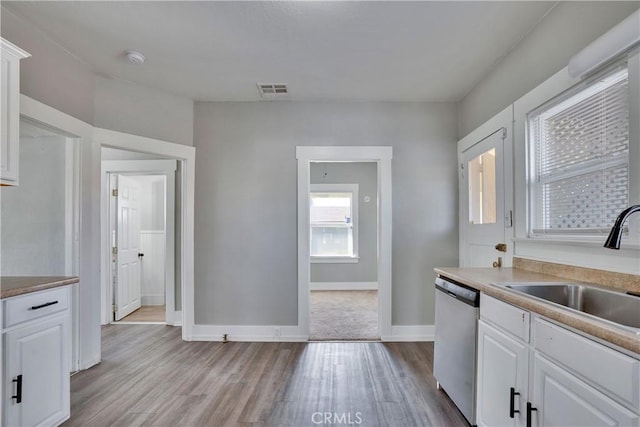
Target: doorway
[343,262]
[381,158]
[140,226]
[486,194]
[139,218]
[40,217]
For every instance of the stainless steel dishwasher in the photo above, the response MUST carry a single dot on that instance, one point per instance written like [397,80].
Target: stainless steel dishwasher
[454,360]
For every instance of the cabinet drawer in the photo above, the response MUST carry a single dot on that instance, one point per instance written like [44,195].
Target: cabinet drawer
[511,319]
[35,305]
[614,373]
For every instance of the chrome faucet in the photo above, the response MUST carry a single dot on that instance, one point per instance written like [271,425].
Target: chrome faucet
[613,241]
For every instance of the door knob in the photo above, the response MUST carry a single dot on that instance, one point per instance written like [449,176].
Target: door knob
[140,255]
[502,247]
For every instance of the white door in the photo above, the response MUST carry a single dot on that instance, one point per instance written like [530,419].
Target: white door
[502,378]
[482,203]
[560,399]
[127,289]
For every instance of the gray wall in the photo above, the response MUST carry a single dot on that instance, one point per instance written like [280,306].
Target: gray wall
[51,75]
[568,28]
[138,110]
[366,176]
[33,213]
[56,77]
[245,201]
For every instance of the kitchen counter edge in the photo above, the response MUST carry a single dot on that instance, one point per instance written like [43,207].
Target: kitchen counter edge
[482,279]
[13,286]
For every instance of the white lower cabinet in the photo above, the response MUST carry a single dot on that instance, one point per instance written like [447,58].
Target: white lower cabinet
[556,378]
[502,378]
[36,358]
[561,399]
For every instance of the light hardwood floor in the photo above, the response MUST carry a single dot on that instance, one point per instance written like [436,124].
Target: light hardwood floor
[147,313]
[149,376]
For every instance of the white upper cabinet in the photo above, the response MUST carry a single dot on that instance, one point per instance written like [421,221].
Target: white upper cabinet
[10,111]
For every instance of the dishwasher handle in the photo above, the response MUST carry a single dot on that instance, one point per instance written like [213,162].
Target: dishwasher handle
[458,291]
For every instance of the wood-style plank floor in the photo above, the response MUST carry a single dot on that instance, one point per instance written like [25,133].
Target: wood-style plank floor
[147,313]
[149,376]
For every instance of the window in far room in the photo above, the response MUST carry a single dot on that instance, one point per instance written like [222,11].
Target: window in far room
[334,222]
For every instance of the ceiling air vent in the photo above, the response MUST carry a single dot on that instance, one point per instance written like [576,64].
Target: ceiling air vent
[273,90]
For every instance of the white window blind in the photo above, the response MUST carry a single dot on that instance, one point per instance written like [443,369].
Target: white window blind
[580,154]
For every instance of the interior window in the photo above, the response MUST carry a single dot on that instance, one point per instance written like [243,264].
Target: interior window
[482,188]
[579,157]
[332,219]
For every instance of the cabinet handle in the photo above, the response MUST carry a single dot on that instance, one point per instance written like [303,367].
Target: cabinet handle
[18,396]
[46,304]
[512,396]
[529,410]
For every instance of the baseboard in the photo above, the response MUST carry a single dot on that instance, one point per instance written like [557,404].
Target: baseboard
[86,364]
[152,299]
[411,333]
[256,333]
[262,333]
[343,286]
[177,319]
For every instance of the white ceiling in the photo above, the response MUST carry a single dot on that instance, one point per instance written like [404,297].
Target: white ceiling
[434,51]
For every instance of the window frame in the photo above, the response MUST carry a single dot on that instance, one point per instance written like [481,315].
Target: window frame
[338,188]
[533,231]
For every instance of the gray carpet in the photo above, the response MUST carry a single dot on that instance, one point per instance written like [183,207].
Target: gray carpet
[344,315]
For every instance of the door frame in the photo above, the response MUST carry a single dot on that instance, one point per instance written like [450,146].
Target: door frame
[166,168]
[185,155]
[78,256]
[381,155]
[503,121]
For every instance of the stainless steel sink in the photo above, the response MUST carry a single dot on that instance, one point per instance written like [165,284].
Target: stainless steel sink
[613,306]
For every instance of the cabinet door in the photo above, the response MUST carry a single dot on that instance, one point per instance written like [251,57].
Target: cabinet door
[9,116]
[40,354]
[562,399]
[502,365]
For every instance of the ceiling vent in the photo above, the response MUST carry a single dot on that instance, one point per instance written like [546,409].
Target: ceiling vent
[273,90]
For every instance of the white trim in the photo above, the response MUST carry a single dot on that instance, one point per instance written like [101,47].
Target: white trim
[614,43]
[12,49]
[381,155]
[85,298]
[186,155]
[152,299]
[164,168]
[255,333]
[335,259]
[177,319]
[141,167]
[343,286]
[403,333]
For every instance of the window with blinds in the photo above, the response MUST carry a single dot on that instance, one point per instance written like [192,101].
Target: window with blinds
[579,150]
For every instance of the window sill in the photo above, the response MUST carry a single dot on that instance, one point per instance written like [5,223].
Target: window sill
[335,259]
[584,241]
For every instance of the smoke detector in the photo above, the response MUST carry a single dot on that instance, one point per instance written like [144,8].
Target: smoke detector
[273,90]
[134,57]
